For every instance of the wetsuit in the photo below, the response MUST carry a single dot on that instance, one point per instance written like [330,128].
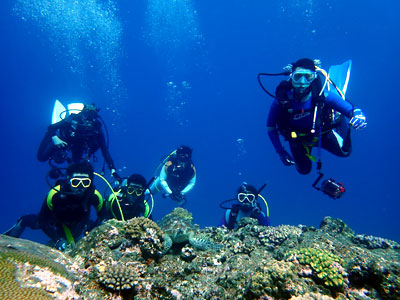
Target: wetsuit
[175,180]
[84,138]
[131,206]
[63,215]
[235,213]
[298,118]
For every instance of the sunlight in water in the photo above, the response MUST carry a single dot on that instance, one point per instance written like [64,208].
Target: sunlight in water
[171,26]
[301,11]
[171,30]
[177,96]
[85,34]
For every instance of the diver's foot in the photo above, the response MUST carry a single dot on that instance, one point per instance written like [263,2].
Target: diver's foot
[16,230]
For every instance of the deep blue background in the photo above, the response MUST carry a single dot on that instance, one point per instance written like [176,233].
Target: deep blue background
[219,55]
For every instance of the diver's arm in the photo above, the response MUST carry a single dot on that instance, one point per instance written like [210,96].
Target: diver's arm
[272,128]
[50,140]
[337,103]
[163,180]
[52,128]
[263,219]
[356,115]
[190,185]
[47,222]
[225,218]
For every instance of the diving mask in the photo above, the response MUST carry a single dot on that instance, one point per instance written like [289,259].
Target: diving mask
[303,76]
[76,181]
[138,190]
[251,198]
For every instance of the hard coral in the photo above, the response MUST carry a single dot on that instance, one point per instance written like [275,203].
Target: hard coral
[325,265]
[372,242]
[147,234]
[120,277]
[10,289]
[272,237]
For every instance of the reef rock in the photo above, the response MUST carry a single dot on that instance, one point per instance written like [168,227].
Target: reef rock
[127,260]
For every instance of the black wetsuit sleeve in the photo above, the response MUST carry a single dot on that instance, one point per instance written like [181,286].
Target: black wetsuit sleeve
[272,126]
[105,151]
[46,146]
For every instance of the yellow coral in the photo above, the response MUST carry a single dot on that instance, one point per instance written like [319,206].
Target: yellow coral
[323,264]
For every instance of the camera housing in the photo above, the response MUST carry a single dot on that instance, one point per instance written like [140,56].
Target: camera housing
[332,188]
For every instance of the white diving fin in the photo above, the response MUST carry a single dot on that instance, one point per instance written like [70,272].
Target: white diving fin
[340,75]
[60,112]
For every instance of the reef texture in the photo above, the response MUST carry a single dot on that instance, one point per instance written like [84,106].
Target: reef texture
[125,260]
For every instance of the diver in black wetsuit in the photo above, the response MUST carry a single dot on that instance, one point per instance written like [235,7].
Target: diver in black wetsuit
[81,134]
[129,201]
[65,212]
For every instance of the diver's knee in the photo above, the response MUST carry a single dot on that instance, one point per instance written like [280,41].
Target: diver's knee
[303,170]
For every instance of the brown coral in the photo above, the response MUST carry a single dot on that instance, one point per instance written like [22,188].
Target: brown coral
[147,234]
[10,289]
[119,277]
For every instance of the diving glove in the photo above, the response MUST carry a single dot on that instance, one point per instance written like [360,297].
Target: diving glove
[118,179]
[358,121]
[178,198]
[286,158]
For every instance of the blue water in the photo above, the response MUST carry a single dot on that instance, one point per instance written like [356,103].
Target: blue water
[172,72]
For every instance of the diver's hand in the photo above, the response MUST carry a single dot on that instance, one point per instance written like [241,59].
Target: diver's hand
[118,179]
[179,198]
[59,143]
[358,121]
[286,158]
[256,211]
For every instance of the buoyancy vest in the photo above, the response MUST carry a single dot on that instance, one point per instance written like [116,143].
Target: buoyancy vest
[323,118]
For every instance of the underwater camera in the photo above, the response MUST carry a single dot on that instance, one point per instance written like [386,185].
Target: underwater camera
[330,187]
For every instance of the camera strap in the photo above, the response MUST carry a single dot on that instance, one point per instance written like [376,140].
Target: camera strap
[319,163]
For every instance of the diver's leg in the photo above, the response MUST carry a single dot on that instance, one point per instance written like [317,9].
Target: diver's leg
[338,141]
[30,221]
[299,153]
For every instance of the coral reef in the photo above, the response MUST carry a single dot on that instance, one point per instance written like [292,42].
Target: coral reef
[147,234]
[372,242]
[121,277]
[29,270]
[124,260]
[326,266]
[10,288]
[272,237]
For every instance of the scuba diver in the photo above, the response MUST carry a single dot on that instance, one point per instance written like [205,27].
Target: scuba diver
[65,213]
[80,134]
[246,206]
[129,200]
[307,117]
[177,176]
